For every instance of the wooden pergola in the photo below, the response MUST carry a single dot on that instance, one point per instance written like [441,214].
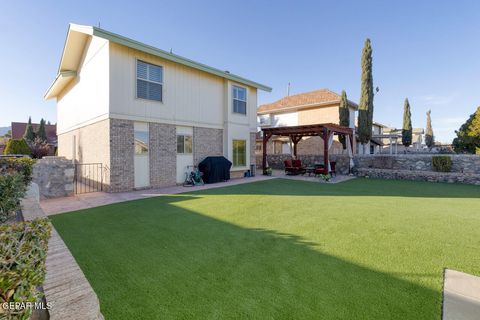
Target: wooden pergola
[296,133]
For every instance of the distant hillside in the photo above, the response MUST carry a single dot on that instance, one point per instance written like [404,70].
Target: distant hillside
[4,130]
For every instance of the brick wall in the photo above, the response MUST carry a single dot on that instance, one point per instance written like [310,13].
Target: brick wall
[163,155]
[122,153]
[206,142]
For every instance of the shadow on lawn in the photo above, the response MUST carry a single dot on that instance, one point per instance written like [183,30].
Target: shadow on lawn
[155,259]
[355,187]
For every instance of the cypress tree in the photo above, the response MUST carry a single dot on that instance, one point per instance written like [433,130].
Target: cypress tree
[407,125]
[429,138]
[344,116]
[365,109]
[41,132]
[29,134]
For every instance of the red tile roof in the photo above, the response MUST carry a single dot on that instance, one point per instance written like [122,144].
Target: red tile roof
[307,99]
[18,130]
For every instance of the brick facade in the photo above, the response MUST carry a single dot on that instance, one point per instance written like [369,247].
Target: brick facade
[163,155]
[206,142]
[121,155]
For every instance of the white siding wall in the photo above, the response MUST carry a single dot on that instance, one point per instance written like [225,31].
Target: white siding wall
[85,100]
[190,97]
[285,119]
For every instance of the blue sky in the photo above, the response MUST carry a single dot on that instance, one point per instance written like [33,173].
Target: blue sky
[428,51]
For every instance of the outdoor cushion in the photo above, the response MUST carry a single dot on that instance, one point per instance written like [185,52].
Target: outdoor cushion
[297,163]
[287,163]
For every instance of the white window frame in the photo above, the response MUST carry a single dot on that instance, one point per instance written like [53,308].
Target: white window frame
[161,83]
[233,99]
[233,153]
[184,136]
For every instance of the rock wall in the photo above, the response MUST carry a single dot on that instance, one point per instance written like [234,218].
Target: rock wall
[417,162]
[54,177]
[275,161]
[430,176]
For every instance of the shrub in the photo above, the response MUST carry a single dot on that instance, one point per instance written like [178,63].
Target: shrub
[39,148]
[12,189]
[17,147]
[441,163]
[24,166]
[23,250]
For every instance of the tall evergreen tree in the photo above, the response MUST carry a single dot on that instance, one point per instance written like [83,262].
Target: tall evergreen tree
[344,116]
[429,138]
[29,134]
[41,132]
[468,136]
[365,109]
[407,125]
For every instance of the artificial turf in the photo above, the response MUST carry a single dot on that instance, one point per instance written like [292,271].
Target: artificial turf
[279,249]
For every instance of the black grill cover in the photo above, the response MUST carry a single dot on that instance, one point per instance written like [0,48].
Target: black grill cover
[215,169]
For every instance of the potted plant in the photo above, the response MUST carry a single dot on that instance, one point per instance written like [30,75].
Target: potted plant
[268,171]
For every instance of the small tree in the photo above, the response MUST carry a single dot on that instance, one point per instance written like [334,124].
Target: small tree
[39,148]
[29,134]
[468,136]
[429,138]
[17,147]
[365,109]
[344,116]
[407,125]
[41,132]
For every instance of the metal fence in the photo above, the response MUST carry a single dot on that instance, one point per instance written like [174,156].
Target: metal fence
[88,177]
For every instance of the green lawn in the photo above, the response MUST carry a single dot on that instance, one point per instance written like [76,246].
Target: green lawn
[279,249]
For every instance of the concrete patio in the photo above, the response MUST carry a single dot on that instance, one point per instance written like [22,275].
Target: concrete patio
[95,199]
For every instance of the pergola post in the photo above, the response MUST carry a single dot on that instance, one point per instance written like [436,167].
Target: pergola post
[325,149]
[266,136]
[295,140]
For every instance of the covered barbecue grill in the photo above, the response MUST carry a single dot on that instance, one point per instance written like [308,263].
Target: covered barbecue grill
[215,169]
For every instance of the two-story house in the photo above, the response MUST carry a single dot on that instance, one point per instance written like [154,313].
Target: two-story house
[146,114]
[315,107]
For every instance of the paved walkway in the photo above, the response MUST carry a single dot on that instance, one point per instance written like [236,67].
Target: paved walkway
[65,285]
[461,296]
[95,199]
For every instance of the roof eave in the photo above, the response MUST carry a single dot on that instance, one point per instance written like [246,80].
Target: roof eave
[175,58]
[61,80]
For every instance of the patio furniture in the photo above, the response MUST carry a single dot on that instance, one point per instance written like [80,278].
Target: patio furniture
[320,169]
[294,167]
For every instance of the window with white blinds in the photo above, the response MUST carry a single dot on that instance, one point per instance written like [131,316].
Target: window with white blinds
[149,81]
[239,100]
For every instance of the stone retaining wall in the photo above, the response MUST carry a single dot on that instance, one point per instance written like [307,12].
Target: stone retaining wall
[275,161]
[418,162]
[419,175]
[54,176]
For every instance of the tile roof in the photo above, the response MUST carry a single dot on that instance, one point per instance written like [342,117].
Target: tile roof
[18,130]
[306,99]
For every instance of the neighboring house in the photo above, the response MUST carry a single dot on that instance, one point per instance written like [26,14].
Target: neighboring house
[18,130]
[315,107]
[395,136]
[147,114]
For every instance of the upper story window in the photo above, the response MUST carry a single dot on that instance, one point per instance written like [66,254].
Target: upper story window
[149,81]
[239,100]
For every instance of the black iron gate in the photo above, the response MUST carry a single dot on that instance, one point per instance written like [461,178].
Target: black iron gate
[88,177]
